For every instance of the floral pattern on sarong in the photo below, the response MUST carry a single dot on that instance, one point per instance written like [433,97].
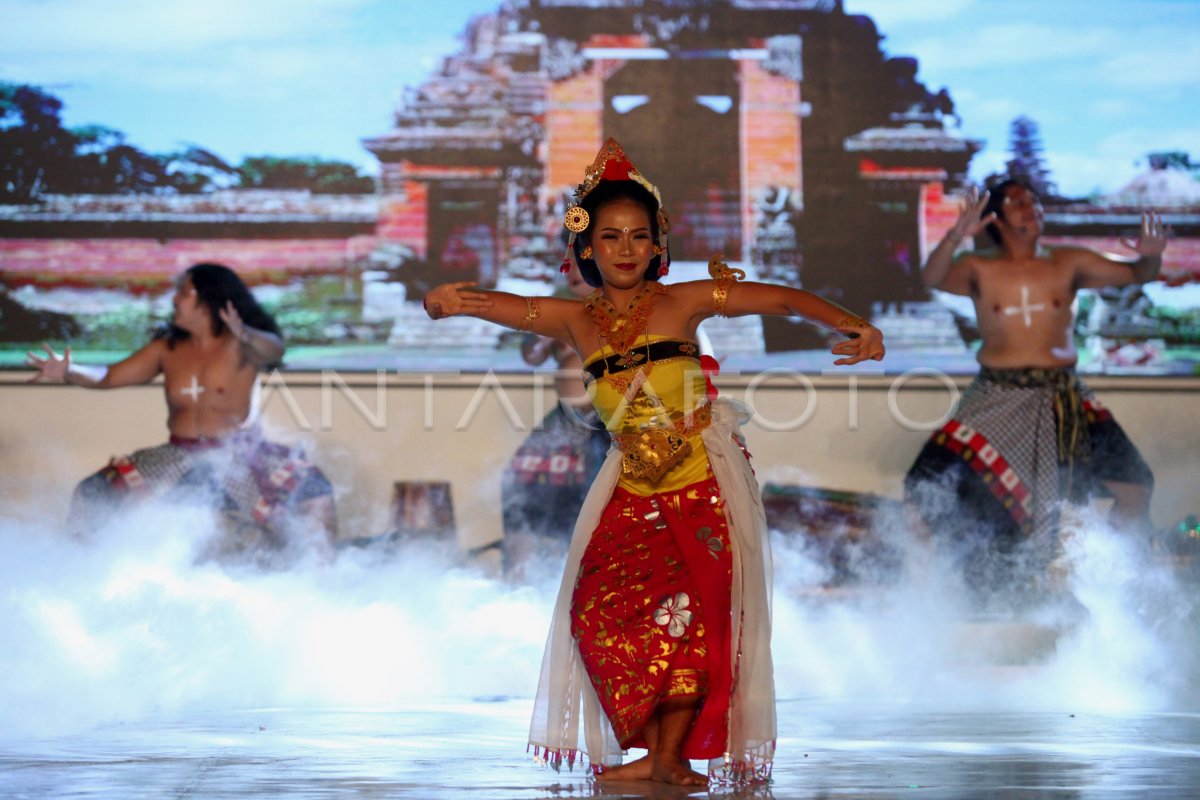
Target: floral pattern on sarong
[650,611]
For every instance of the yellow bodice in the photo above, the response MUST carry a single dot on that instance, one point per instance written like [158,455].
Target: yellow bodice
[654,404]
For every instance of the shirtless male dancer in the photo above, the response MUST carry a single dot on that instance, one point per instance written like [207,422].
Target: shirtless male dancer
[1027,433]
[209,357]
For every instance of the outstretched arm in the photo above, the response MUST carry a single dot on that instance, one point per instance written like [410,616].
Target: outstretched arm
[942,270]
[864,341]
[540,315]
[1094,270]
[141,367]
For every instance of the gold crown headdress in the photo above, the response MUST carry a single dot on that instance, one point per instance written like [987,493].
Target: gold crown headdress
[612,164]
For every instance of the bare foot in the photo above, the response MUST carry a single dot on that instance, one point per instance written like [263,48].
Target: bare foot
[668,769]
[638,770]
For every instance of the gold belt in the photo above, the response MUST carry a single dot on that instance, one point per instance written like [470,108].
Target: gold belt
[653,452]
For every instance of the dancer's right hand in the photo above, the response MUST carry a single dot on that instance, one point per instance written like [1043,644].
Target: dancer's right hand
[53,368]
[455,298]
[969,222]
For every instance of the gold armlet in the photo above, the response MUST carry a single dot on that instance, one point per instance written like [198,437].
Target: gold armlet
[533,310]
[723,277]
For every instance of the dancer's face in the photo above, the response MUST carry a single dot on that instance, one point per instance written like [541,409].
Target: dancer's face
[190,313]
[622,243]
[1023,215]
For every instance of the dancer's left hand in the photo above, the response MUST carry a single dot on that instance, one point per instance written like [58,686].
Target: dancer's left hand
[865,343]
[1152,240]
[233,321]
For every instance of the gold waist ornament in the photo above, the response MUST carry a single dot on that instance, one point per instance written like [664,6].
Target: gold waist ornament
[654,451]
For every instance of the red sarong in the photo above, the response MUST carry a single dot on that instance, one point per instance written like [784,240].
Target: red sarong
[651,611]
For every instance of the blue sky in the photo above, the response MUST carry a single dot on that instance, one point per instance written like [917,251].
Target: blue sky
[1107,81]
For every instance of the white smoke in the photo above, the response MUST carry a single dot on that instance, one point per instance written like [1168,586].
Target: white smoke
[133,622]
[130,623]
[1117,635]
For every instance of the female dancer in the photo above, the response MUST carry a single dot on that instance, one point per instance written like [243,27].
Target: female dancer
[661,634]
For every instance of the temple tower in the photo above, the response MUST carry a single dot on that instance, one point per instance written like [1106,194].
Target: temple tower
[777,130]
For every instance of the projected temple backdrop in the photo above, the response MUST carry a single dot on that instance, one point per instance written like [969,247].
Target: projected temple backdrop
[782,134]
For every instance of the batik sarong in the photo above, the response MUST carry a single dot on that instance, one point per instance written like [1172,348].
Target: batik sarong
[257,486]
[1021,443]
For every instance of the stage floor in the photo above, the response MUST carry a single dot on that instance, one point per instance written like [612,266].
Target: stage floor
[475,749]
[135,668]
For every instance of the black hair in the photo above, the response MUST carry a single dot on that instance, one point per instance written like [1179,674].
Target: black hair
[995,203]
[216,285]
[608,192]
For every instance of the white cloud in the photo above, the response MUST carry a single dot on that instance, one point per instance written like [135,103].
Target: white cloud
[986,47]
[1080,174]
[988,162]
[188,43]
[989,110]
[1171,59]
[1135,143]
[1117,107]
[242,73]
[223,48]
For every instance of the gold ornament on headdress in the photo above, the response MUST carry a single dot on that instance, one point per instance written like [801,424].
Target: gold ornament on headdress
[576,219]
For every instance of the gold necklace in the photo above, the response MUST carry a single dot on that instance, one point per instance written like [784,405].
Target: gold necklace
[620,330]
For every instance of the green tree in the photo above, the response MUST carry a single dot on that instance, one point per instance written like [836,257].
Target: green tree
[105,163]
[38,156]
[318,175]
[194,170]
[35,150]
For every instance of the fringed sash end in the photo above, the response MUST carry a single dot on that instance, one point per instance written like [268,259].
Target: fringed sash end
[554,759]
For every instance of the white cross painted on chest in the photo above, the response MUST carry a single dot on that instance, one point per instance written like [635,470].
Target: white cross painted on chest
[1025,309]
[195,390]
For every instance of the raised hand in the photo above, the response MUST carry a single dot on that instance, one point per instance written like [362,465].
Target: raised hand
[969,222]
[233,321]
[865,343]
[451,299]
[51,369]
[1152,240]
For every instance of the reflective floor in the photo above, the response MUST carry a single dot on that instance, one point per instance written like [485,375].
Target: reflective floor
[475,750]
